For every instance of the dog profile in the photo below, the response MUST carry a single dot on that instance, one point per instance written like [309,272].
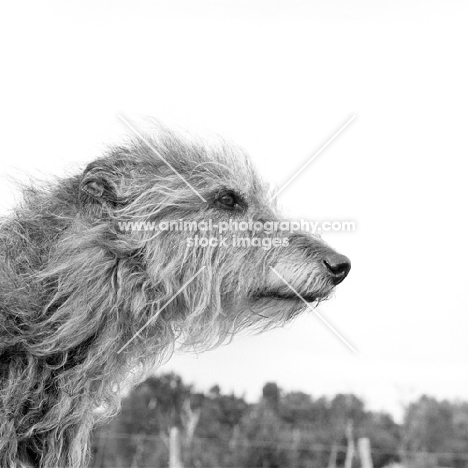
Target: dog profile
[87,299]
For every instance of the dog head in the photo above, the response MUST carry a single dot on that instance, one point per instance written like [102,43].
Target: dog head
[204,228]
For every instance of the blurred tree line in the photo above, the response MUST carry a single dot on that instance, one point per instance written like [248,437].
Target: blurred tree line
[282,430]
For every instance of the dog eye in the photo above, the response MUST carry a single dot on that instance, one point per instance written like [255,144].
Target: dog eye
[228,200]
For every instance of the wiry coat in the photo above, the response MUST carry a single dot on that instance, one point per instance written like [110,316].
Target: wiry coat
[74,288]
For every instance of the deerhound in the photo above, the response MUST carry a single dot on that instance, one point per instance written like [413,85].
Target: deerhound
[85,300]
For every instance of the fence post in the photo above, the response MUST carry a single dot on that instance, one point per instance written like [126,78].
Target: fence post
[175,455]
[365,453]
[350,448]
[332,459]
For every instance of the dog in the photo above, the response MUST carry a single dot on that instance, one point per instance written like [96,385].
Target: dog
[89,297]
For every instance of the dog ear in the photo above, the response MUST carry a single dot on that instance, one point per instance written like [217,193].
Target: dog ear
[97,185]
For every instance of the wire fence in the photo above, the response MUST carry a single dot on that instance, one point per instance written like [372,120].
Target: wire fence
[140,447]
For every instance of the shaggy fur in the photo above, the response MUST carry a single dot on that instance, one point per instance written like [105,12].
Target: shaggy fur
[75,287]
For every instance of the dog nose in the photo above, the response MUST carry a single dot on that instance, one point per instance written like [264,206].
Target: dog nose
[338,266]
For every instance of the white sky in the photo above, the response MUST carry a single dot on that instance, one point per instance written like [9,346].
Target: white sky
[280,77]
